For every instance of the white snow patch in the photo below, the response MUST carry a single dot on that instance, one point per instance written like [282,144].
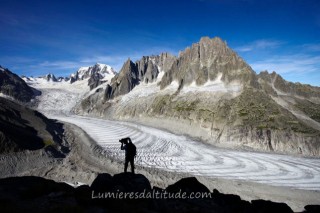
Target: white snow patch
[144,90]
[160,75]
[83,69]
[6,96]
[216,85]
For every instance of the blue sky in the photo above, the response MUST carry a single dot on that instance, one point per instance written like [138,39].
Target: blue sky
[38,37]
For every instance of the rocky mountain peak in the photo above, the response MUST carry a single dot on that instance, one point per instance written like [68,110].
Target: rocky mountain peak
[148,68]
[144,70]
[202,62]
[214,43]
[97,69]
[206,60]
[96,74]
[123,82]
[50,77]
[128,71]
[127,67]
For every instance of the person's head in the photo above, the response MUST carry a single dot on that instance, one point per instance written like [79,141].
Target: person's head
[129,140]
[124,140]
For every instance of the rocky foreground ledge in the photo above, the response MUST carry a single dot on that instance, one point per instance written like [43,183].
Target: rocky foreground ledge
[125,192]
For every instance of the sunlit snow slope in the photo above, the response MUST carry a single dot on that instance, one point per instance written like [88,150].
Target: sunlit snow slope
[160,149]
[59,97]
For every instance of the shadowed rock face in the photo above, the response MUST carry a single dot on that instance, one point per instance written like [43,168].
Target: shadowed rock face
[124,82]
[147,70]
[12,85]
[95,80]
[20,194]
[24,129]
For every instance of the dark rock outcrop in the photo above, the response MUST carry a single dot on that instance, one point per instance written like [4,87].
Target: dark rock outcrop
[95,80]
[265,206]
[187,185]
[35,194]
[12,85]
[128,182]
[21,194]
[125,81]
[51,77]
[24,129]
[102,183]
[123,182]
[312,209]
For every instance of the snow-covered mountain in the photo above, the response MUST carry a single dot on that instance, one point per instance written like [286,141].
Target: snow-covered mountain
[60,95]
[97,74]
[103,70]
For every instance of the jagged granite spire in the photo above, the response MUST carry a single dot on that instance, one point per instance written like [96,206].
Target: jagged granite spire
[144,70]
[51,77]
[207,59]
[124,82]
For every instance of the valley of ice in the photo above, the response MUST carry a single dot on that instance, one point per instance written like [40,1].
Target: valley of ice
[164,150]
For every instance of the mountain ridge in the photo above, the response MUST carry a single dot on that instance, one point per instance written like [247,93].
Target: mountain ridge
[131,74]
[211,93]
[13,86]
[96,75]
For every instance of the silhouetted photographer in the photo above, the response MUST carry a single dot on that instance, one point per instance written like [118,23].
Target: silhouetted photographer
[131,151]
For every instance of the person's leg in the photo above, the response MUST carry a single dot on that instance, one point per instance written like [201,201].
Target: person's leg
[132,165]
[126,164]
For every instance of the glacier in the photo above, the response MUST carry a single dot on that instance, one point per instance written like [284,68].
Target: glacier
[177,153]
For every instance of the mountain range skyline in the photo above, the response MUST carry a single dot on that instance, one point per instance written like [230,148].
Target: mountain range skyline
[60,37]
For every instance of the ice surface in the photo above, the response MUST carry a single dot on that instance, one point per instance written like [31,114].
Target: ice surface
[59,97]
[160,149]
